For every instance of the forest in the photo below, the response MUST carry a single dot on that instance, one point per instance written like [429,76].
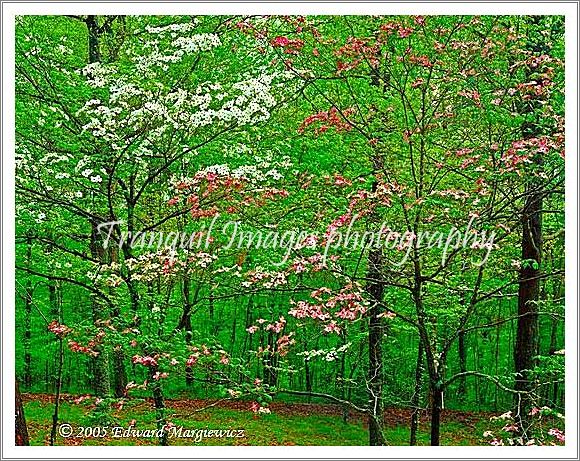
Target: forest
[289,230]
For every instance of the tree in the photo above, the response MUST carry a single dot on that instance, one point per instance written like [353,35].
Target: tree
[535,130]
[21,429]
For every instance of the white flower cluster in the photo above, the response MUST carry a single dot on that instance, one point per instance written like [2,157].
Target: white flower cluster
[138,104]
[202,259]
[97,74]
[253,104]
[149,266]
[330,355]
[172,28]
[54,158]
[65,50]
[170,44]
[131,108]
[264,165]
[250,173]
[197,43]
[232,270]
[88,173]
[40,217]
[113,280]
[267,279]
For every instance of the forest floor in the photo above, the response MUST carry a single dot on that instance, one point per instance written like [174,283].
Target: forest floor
[288,423]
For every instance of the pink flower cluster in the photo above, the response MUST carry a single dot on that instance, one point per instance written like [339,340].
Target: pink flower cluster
[267,278]
[196,211]
[76,347]
[463,151]
[422,61]
[278,326]
[522,151]
[419,20]
[510,428]
[347,304]
[255,406]
[146,361]
[283,343]
[58,329]
[337,223]
[290,46]
[157,376]
[332,327]
[273,193]
[313,263]
[558,434]
[535,89]
[308,242]
[471,94]
[275,327]
[394,27]
[357,51]
[198,189]
[341,181]
[328,119]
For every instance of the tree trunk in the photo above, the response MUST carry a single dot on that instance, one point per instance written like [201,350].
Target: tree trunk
[55,313]
[185,322]
[101,361]
[234,327]
[102,381]
[188,341]
[416,399]
[28,320]
[343,387]
[462,351]
[21,433]
[436,408]
[214,327]
[526,347]
[307,375]
[118,355]
[375,377]
[57,391]
[527,343]
[93,30]
[159,402]
[375,289]
[119,373]
[270,372]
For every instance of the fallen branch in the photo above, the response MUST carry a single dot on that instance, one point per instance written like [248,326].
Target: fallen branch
[324,396]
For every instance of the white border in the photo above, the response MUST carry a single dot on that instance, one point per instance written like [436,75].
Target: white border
[290,8]
[192,452]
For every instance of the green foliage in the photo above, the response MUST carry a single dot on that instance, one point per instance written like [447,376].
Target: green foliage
[282,123]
